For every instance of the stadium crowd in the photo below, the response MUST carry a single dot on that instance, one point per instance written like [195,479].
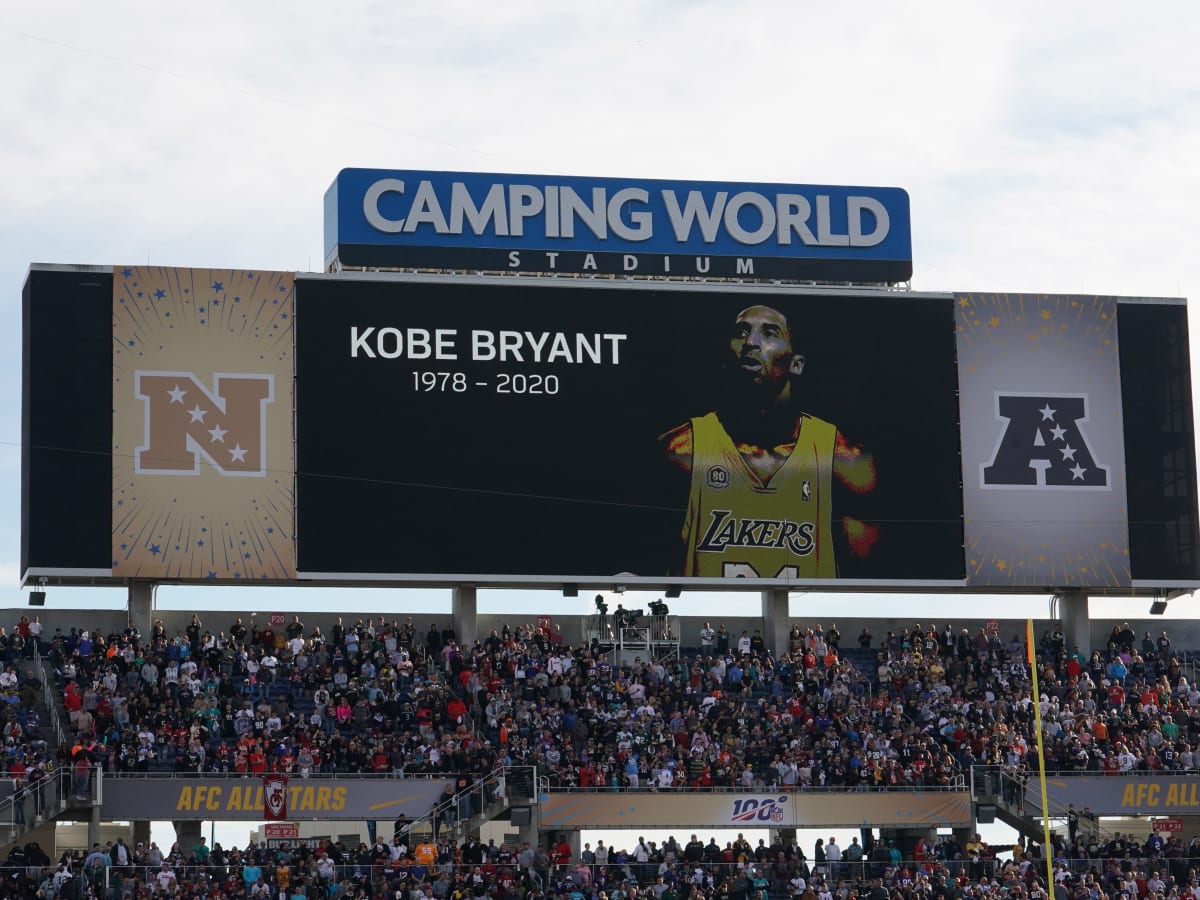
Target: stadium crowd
[919,708]
[916,707]
[1119,869]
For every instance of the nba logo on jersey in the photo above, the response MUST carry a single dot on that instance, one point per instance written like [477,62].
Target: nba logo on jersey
[717,477]
[806,490]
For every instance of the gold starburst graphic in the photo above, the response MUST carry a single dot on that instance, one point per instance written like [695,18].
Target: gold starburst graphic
[203,459]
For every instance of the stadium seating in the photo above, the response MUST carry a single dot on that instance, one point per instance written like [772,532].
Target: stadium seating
[918,707]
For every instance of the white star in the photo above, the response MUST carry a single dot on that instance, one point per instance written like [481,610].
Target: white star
[238,454]
[197,413]
[177,395]
[1077,472]
[217,433]
[1068,452]
[1047,412]
[1058,431]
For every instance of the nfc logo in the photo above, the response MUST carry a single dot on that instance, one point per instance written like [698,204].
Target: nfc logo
[186,422]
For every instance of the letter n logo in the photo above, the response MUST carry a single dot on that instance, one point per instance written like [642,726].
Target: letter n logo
[1042,445]
[186,422]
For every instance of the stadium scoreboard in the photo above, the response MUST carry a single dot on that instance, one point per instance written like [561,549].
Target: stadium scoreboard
[571,405]
[252,426]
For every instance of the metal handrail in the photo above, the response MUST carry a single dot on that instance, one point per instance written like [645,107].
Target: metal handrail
[1132,773]
[848,871]
[870,679]
[315,776]
[738,789]
[449,808]
[1056,809]
[49,695]
[51,797]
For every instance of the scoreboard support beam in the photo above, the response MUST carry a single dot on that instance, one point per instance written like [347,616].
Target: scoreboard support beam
[463,611]
[1076,626]
[141,606]
[775,620]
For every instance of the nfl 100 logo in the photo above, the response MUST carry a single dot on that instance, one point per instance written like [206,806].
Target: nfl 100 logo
[758,809]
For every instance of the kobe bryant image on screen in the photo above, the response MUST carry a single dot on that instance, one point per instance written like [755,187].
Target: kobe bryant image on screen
[774,491]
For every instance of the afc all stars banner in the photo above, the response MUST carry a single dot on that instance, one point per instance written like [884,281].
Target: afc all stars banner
[203,457]
[1043,453]
[275,797]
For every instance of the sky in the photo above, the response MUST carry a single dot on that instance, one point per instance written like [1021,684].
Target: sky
[1043,150]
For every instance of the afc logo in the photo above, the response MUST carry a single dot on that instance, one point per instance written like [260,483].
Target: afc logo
[717,477]
[1042,445]
[186,422]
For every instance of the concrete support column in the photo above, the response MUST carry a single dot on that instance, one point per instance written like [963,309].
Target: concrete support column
[141,606]
[574,838]
[1076,626]
[187,833]
[463,608]
[141,832]
[775,620]
[93,826]
[529,833]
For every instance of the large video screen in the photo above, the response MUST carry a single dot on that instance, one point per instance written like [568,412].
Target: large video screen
[238,426]
[577,429]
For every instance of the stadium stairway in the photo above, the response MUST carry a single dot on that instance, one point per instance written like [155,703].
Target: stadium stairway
[49,707]
[863,660]
[487,799]
[997,787]
[866,662]
[55,798]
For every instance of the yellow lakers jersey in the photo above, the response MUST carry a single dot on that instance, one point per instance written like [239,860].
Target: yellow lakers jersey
[739,527]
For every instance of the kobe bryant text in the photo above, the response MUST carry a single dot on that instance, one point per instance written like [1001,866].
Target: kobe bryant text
[546,347]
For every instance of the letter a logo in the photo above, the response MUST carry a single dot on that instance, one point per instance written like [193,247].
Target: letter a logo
[1042,445]
[186,422]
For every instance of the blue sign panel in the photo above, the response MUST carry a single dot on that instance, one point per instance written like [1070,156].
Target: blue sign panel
[571,225]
